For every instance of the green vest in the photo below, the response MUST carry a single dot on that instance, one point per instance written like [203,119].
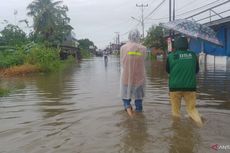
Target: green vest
[182,67]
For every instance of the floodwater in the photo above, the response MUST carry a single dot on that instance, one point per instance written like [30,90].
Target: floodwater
[79,111]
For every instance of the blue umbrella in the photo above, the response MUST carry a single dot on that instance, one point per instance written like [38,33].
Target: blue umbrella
[193,29]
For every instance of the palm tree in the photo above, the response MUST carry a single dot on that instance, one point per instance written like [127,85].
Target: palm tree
[50,18]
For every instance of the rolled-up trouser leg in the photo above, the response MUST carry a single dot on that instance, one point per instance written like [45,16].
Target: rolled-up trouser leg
[175,99]
[138,104]
[126,103]
[190,100]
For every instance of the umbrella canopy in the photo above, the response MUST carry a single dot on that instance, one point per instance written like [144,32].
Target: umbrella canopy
[193,29]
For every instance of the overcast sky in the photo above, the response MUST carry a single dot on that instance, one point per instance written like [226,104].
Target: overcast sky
[99,20]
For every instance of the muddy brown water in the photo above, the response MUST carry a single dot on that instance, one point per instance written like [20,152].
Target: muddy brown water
[80,111]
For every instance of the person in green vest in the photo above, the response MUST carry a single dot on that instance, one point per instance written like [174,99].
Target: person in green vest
[182,66]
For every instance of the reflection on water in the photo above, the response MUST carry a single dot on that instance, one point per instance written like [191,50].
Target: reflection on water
[185,138]
[135,135]
[79,110]
[214,83]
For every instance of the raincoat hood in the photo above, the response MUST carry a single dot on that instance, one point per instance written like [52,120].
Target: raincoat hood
[134,36]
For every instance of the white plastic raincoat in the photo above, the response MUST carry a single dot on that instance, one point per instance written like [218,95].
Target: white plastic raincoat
[132,56]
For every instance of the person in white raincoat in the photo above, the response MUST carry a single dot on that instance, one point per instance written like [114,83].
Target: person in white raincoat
[132,56]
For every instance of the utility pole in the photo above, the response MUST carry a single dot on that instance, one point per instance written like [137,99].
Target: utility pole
[174,5]
[172,16]
[170,10]
[15,17]
[142,18]
[117,38]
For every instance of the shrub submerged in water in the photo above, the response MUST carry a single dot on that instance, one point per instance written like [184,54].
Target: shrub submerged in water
[47,59]
[10,57]
[30,58]
[4,92]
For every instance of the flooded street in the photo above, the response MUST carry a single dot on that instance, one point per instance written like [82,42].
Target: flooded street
[80,111]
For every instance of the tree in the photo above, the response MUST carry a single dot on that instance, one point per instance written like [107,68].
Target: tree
[85,44]
[12,35]
[155,38]
[51,22]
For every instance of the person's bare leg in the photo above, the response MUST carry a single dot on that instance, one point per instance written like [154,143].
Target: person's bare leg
[130,112]
[128,107]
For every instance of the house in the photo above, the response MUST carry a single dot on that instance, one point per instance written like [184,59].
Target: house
[69,47]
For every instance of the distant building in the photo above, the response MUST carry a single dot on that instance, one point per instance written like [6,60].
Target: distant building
[115,48]
[69,47]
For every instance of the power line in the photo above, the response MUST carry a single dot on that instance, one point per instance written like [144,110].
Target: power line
[201,7]
[155,9]
[183,6]
[190,10]
[125,33]
[208,9]
[163,18]
[213,15]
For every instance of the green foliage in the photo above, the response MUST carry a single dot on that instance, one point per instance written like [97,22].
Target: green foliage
[12,35]
[85,53]
[8,88]
[67,63]
[46,58]
[51,23]
[155,38]
[85,44]
[11,57]
[4,92]
[151,57]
